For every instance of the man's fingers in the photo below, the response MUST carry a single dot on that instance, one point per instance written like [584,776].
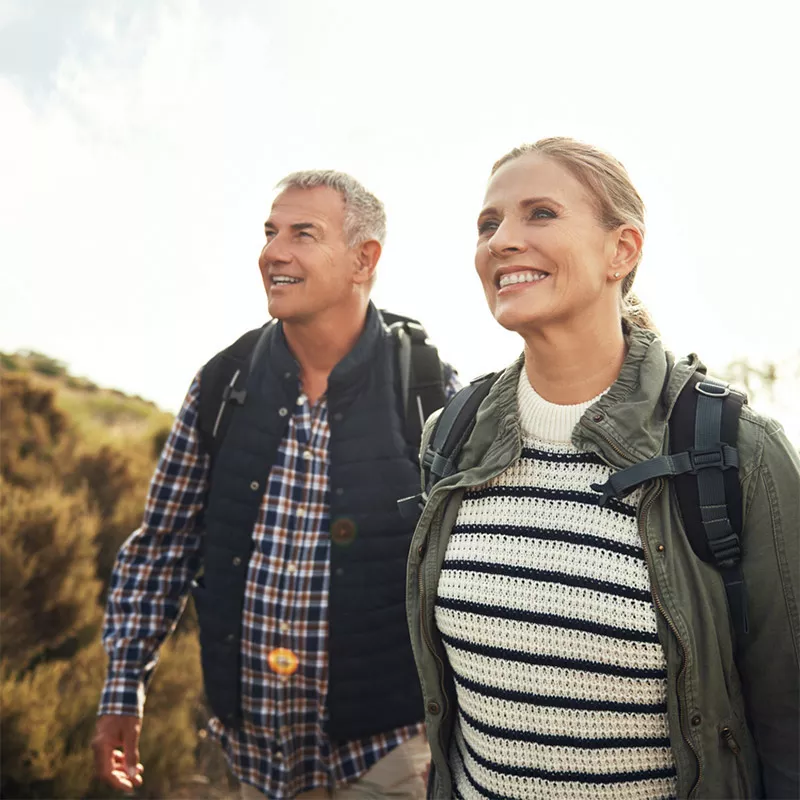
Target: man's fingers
[119,769]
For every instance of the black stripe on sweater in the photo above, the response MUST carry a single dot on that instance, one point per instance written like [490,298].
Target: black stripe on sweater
[553,661]
[576,777]
[562,458]
[563,741]
[548,576]
[548,619]
[553,701]
[551,535]
[540,493]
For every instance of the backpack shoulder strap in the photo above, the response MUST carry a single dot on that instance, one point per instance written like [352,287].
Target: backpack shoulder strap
[704,463]
[449,434]
[222,382]
[710,500]
[420,373]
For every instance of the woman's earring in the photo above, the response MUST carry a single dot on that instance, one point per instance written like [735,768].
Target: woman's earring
[616,275]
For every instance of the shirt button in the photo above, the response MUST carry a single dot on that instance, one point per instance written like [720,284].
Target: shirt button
[279,756]
[301,512]
[301,399]
[237,561]
[284,627]
[283,411]
[307,455]
[291,569]
[254,486]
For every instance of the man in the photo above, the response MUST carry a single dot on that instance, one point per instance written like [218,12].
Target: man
[288,504]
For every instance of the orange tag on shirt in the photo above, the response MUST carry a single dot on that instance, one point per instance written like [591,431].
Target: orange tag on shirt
[283,661]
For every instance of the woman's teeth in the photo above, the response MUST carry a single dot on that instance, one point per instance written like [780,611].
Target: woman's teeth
[521,277]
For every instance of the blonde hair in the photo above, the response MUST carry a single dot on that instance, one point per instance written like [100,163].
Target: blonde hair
[616,200]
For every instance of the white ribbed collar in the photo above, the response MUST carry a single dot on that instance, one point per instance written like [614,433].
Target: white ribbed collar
[544,420]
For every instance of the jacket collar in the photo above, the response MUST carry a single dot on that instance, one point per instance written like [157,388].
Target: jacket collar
[626,425]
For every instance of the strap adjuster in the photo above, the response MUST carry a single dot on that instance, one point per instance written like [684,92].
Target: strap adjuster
[720,457]
[710,389]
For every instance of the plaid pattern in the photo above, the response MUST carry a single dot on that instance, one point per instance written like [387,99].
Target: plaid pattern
[281,747]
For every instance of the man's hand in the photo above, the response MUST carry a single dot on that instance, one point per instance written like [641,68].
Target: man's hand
[116,751]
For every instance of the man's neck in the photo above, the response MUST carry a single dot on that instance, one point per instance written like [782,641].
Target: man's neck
[320,344]
[572,366]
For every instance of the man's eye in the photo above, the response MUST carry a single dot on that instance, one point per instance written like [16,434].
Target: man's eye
[487,226]
[304,235]
[542,213]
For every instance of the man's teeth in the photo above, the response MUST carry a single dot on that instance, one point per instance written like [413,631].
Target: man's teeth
[285,279]
[521,277]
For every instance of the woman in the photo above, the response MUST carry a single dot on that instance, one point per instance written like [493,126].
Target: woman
[568,648]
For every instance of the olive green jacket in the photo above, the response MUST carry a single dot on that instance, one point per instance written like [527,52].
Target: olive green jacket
[734,717]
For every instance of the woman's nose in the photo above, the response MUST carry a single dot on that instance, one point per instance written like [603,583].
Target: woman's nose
[506,240]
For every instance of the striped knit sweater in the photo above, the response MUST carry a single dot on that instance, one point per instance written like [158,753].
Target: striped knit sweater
[545,611]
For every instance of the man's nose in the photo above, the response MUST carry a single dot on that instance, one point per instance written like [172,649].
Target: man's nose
[275,251]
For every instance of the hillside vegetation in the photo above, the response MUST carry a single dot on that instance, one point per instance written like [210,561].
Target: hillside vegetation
[75,463]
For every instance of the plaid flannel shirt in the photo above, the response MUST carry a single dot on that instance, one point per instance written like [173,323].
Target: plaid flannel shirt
[281,747]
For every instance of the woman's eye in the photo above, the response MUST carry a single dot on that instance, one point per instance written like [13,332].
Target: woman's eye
[542,213]
[486,226]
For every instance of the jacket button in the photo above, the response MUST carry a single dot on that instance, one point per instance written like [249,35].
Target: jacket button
[343,531]
[254,485]
[660,548]
[598,417]
[283,412]
[339,491]
[433,707]
[237,561]
[338,416]
[230,637]
[696,720]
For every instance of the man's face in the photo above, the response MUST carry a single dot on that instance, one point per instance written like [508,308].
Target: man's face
[306,264]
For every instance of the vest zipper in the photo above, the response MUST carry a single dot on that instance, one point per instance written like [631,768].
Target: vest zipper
[646,504]
[223,404]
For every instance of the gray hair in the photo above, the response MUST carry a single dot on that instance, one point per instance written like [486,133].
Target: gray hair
[364,215]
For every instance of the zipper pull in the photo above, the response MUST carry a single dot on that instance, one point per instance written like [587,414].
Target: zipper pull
[730,741]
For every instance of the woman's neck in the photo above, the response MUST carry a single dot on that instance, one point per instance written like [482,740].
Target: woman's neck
[570,366]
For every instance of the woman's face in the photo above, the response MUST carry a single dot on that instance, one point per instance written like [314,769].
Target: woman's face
[543,258]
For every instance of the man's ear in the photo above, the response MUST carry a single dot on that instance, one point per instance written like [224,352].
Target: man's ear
[367,255]
[628,250]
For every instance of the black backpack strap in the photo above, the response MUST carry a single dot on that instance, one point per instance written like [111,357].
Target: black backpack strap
[222,384]
[704,463]
[451,431]
[420,372]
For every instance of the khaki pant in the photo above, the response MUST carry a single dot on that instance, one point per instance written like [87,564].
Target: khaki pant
[398,774]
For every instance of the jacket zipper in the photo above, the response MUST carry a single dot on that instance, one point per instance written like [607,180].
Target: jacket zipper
[424,629]
[646,504]
[730,741]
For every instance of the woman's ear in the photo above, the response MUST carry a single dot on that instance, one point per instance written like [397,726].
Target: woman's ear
[627,252]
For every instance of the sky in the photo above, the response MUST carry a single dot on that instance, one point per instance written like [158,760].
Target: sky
[141,141]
